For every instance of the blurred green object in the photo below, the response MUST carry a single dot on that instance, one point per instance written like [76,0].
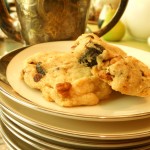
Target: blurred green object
[118,31]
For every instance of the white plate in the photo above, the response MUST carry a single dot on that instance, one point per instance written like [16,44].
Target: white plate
[82,129]
[26,140]
[118,107]
[73,142]
[25,136]
[10,139]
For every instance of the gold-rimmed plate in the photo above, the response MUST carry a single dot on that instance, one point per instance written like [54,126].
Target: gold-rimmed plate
[118,107]
[78,129]
[24,128]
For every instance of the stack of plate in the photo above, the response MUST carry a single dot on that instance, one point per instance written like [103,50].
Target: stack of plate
[120,123]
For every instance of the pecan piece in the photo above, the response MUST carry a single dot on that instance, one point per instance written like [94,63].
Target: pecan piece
[64,88]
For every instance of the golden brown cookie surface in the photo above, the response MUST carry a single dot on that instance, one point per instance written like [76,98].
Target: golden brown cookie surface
[123,73]
[63,80]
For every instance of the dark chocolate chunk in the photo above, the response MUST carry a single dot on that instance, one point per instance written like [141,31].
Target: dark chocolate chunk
[89,57]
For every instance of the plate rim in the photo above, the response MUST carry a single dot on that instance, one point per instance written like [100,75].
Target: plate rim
[79,116]
[77,134]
